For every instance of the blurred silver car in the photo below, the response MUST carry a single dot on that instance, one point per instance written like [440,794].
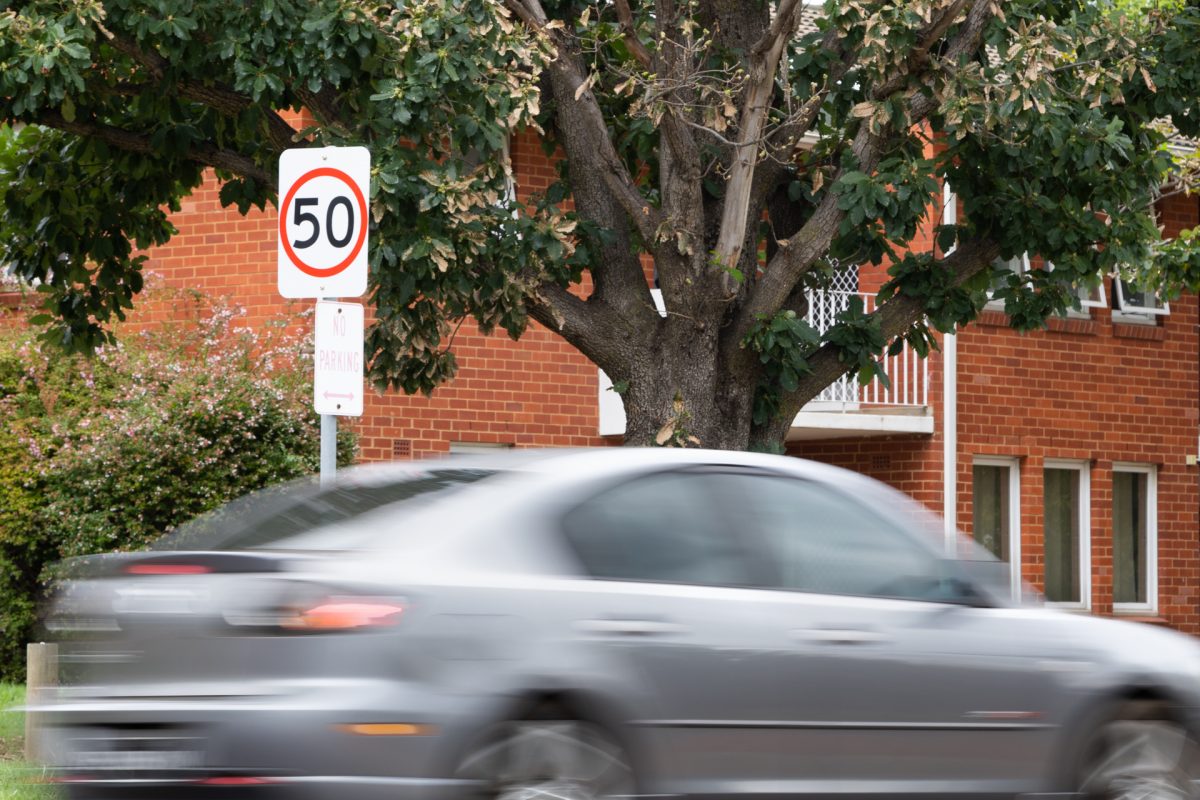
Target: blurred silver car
[607,623]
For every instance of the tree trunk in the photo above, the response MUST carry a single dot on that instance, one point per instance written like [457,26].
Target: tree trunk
[679,394]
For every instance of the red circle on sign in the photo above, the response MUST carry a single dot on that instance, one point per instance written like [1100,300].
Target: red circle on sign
[308,269]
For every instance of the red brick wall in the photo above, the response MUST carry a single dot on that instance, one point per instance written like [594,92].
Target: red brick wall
[1099,392]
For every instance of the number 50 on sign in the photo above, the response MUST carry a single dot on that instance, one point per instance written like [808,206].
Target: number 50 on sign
[323,216]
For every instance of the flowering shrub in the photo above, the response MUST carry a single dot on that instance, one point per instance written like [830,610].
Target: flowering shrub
[112,452]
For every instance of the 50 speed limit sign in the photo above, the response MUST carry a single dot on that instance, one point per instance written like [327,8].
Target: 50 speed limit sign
[323,220]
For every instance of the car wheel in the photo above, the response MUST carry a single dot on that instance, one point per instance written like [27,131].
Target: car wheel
[548,759]
[1140,754]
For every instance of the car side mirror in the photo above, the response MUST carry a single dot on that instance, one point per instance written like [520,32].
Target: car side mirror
[983,583]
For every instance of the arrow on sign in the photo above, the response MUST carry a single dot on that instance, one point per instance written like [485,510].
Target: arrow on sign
[337,396]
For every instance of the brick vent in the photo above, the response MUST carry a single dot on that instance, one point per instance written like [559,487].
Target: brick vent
[401,448]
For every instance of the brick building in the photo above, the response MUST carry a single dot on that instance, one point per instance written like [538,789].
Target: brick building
[1071,451]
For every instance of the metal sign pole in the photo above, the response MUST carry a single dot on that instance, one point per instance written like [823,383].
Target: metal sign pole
[328,444]
[328,448]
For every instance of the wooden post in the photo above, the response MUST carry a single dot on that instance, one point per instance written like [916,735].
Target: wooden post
[41,670]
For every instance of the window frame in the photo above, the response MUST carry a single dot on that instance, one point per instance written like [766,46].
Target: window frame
[1086,303]
[1013,465]
[1151,473]
[1023,267]
[1126,312]
[1085,530]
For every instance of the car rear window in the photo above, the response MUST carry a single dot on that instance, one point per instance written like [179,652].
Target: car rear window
[307,516]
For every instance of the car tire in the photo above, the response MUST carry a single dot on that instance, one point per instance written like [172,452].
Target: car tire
[1139,753]
[546,756]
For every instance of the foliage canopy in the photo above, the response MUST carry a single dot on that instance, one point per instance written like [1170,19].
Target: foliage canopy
[750,150]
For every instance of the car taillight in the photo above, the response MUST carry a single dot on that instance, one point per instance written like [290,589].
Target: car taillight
[344,614]
[285,607]
[158,568]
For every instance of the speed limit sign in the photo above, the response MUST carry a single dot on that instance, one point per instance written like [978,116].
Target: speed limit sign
[323,220]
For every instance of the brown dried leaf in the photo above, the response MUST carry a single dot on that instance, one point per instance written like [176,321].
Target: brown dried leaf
[1149,83]
[585,86]
[665,433]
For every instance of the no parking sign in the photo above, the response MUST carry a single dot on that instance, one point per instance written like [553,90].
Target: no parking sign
[323,220]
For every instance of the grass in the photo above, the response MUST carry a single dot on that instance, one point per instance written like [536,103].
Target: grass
[12,723]
[18,779]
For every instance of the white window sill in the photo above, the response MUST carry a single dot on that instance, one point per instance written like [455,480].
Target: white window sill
[1130,318]
[1075,608]
[1134,610]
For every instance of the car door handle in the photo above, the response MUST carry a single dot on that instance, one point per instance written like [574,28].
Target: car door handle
[629,627]
[839,636]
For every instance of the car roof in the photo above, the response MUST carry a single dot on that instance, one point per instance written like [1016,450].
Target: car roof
[591,461]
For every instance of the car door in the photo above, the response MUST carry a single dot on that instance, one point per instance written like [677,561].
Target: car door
[676,596]
[889,676]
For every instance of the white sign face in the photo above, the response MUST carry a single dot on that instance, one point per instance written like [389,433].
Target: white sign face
[323,220]
[338,359]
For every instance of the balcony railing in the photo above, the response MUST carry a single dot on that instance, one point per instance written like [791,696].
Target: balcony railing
[844,408]
[908,373]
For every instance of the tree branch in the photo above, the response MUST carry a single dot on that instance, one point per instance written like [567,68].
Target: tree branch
[968,38]
[895,316]
[808,244]
[217,96]
[679,254]
[635,45]
[603,193]
[578,321]
[791,132]
[206,154]
[781,28]
[595,152]
[814,238]
[763,65]
[533,15]
[323,104]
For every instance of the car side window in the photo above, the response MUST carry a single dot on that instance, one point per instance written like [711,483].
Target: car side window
[827,542]
[664,527]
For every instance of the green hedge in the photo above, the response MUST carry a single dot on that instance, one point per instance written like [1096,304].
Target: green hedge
[109,453]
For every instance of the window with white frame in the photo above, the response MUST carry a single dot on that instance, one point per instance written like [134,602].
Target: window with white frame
[1017,265]
[1091,295]
[1137,304]
[1066,537]
[996,511]
[1135,537]
[1090,292]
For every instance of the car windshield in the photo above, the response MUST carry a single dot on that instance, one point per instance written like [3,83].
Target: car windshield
[304,515]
